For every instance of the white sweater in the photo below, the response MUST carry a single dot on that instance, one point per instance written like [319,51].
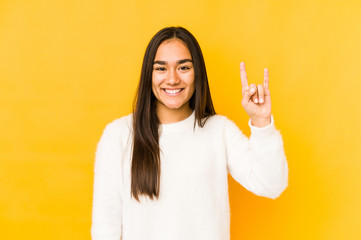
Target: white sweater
[193,203]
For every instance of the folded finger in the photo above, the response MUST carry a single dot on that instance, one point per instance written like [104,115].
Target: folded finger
[260,93]
[253,92]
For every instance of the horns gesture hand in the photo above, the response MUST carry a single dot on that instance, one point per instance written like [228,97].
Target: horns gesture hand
[256,99]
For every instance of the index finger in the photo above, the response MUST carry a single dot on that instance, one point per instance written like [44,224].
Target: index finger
[244,77]
[266,78]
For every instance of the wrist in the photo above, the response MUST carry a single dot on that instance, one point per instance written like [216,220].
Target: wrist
[261,122]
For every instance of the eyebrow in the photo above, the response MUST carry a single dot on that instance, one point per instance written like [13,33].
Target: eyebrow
[178,62]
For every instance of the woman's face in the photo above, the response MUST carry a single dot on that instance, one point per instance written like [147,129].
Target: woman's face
[173,77]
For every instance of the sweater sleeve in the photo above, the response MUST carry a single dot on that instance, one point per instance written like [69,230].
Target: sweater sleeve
[258,163]
[106,212]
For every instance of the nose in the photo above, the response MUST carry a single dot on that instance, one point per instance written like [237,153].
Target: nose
[172,78]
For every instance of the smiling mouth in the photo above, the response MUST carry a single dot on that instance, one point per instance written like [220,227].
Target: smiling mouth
[173,91]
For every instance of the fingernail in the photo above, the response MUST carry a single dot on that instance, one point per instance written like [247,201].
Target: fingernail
[256,100]
[261,100]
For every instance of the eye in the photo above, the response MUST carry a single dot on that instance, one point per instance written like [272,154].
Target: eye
[184,68]
[160,69]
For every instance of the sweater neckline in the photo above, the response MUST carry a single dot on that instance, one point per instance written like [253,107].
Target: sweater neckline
[177,126]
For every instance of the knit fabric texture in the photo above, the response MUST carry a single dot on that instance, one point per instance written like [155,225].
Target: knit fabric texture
[193,203]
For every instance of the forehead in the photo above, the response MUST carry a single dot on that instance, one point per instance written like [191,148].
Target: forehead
[172,49]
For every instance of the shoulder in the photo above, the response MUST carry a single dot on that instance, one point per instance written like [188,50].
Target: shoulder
[220,125]
[121,122]
[119,127]
[224,125]
[219,121]
[221,129]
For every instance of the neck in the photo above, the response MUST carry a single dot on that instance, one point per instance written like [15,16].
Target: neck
[166,115]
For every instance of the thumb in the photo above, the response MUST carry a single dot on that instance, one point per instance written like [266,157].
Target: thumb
[246,96]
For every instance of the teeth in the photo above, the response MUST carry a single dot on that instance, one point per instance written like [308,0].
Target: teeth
[172,91]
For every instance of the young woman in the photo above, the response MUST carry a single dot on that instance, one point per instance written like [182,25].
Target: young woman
[161,172]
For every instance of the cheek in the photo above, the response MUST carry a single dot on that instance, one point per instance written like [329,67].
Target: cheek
[155,82]
[190,81]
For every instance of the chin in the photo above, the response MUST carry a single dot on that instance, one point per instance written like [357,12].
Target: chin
[174,106]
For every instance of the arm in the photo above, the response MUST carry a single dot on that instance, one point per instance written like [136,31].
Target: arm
[258,163]
[106,212]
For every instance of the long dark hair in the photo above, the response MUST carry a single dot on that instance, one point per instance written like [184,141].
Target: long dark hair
[145,169]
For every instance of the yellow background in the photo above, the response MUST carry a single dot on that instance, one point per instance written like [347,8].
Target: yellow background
[69,67]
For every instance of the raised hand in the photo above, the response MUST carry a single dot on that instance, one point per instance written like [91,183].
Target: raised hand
[256,100]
